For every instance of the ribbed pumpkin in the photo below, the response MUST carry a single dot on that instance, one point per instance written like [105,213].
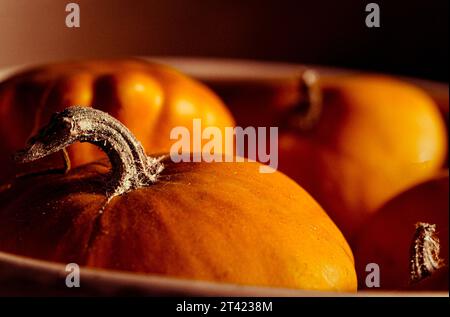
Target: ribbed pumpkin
[221,222]
[149,98]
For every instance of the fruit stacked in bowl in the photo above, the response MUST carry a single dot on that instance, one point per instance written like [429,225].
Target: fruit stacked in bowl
[88,178]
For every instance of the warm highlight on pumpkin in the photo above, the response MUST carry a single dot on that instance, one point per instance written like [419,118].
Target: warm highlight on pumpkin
[375,137]
[150,99]
[222,222]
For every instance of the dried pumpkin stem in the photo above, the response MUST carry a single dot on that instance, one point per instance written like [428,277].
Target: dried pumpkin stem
[424,258]
[131,167]
[310,105]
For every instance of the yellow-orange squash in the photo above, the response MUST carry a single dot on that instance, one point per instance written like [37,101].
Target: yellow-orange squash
[149,98]
[375,136]
[387,237]
[211,221]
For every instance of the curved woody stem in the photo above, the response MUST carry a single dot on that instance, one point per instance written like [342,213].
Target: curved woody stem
[131,167]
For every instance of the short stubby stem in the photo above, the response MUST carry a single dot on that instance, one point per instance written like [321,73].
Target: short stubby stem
[309,108]
[425,248]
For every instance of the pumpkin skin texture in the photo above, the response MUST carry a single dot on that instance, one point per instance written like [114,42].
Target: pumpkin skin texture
[221,222]
[150,99]
[386,237]
[375,137]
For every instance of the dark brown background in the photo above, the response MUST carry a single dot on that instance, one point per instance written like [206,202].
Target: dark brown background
[412,40]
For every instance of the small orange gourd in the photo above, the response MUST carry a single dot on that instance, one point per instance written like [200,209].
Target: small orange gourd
[222,222]
[149,98]
[410,228]
[371,138]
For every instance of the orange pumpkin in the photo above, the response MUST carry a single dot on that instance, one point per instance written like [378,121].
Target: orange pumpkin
[386,238]
[374,137]
[222,222]
[149,98]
